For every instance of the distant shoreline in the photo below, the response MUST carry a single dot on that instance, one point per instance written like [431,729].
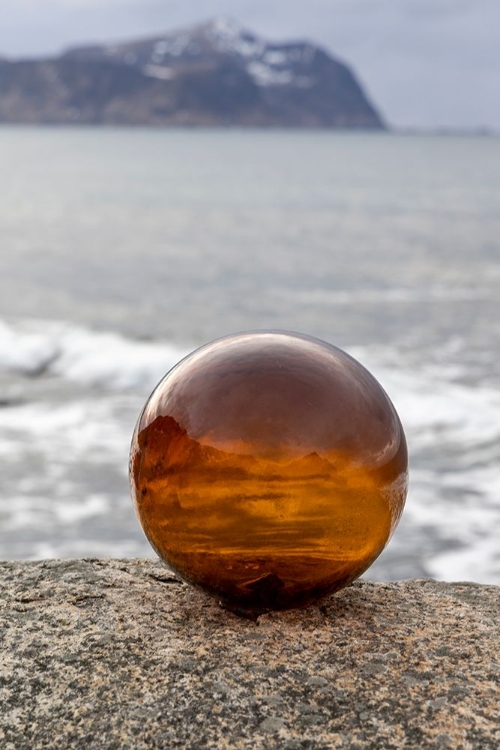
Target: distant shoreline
[388,131]
[478,132]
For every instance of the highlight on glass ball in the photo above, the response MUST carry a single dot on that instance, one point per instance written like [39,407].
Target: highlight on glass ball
[269,469]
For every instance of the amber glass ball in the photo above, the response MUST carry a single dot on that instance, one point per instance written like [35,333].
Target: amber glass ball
[269,469]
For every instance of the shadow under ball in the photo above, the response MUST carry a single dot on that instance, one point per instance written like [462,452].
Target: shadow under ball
[269,469]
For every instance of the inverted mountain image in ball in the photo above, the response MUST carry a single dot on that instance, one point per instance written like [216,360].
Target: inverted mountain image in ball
[269,469]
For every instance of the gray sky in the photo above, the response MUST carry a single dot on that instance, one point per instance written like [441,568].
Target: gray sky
[425,63]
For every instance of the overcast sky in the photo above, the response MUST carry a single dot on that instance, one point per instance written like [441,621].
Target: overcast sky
[424,63]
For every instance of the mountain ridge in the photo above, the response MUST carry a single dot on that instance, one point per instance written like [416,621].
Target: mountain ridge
[214,73]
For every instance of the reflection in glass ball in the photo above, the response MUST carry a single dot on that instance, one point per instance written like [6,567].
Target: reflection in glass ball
[270,469]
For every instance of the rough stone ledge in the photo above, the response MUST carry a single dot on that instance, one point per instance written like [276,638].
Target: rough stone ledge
[120,654]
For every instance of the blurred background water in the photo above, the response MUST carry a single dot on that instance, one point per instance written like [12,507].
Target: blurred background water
[123,249]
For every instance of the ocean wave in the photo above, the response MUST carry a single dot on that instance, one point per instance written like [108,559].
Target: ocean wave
[444,411]
[64,459]
[431,400]
[89,358]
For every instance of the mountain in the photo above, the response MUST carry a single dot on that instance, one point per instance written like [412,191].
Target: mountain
[212,74]
[164,449]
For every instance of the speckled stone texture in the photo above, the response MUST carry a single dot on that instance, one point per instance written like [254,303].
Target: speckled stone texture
[120,654]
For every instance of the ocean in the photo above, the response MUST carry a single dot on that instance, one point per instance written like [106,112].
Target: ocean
[121,250]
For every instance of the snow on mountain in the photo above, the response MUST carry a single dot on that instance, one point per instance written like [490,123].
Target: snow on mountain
[267,63]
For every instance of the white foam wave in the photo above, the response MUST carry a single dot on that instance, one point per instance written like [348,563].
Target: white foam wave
[452,517]
[479,561]
[90,358]
[59,512]
[451,412]
[135,546]
[452,520]
[26,351]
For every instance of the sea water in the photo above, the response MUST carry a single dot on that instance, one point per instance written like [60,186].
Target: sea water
[121,250]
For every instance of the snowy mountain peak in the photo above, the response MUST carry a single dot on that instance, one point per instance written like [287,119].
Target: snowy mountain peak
[220,71]
[227,35]
[267,63]
[225,27]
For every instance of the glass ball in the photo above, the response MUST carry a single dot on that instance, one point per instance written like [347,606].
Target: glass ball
[269,469]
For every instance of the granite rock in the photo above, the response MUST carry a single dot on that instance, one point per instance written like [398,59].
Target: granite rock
[121,654]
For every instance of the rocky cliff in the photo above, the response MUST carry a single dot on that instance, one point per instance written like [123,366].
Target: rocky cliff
[213,74]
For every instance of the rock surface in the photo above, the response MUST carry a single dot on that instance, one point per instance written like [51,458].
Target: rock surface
[120,654]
